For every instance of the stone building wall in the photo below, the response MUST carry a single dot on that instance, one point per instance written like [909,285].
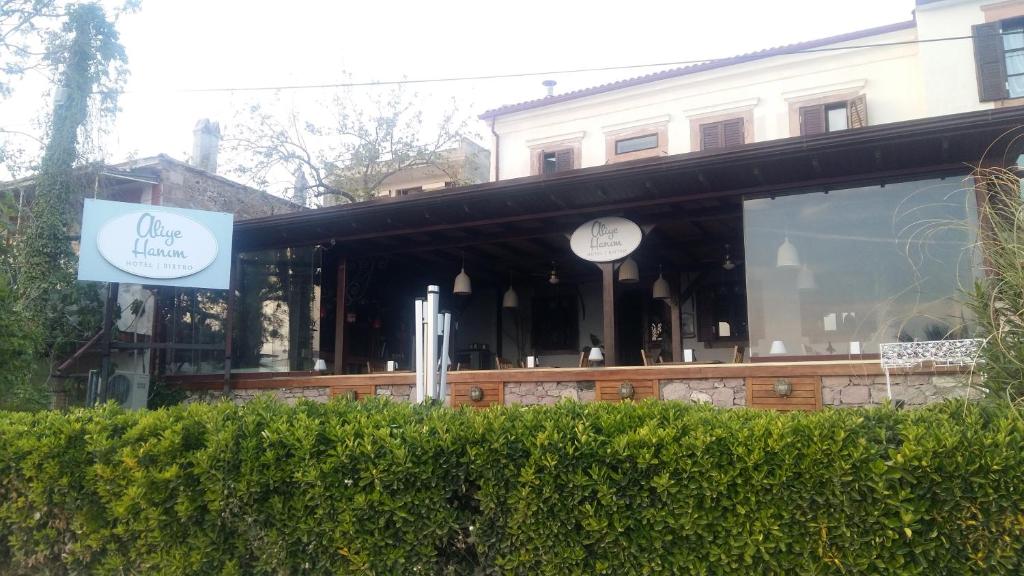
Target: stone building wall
[722,392]
[837,391]
[243,395]
[185,186]
[529,393]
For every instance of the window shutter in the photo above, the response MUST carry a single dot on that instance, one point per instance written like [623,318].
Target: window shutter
[812,120]
[710,135]
[857,112]
[733,132]
[563,160]
[989,62]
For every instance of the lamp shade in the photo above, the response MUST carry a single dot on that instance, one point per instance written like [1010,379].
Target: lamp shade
[511,299]
[778,347]
[787,256]
[463,285]
[805,279]
[661,289]
[629,273]
[596,354]
[321,365]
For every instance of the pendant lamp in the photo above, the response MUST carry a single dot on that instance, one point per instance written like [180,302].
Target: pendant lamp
[728,264]
[596,354]
[805,279]
[511,299]
[629,272]
[778,347]
[553,279]
[787,256]
[661,288]
[463,285]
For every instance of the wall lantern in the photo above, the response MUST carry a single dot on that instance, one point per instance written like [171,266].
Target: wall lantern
[511,299]
[629,272]
[787,256]
[661,288]
[626,391]
[463,285]
[783,387]
[476,394]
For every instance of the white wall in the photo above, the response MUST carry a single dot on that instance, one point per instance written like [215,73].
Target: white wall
[901,82]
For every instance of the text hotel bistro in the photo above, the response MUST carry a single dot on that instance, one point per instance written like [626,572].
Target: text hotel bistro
[156,246]
[709,276]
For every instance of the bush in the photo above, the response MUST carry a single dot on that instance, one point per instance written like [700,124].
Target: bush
[381,488]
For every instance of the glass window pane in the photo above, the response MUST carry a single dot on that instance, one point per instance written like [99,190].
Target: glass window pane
[837,119]
[1013,38]
[1015,86]
[873,264]
[628,145]
[278,310]
[1015,62]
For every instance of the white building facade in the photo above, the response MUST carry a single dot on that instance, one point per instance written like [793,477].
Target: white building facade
[954,56]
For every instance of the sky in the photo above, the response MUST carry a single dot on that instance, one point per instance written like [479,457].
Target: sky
[175,46]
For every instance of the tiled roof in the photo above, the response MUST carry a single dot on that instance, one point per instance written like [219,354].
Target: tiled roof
[695,68]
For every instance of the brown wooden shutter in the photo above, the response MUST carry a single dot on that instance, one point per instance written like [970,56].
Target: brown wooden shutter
[732,131]
[812,120]
[563,160]
[711,135]
[857,112]
[990,62]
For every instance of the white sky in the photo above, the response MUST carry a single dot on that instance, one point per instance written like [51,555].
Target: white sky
[180,44]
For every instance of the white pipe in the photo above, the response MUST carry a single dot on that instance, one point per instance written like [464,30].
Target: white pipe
[430,346]
[419,327]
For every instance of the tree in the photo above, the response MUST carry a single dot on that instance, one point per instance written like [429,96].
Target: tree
[370,138]
[89,61]
[24,26]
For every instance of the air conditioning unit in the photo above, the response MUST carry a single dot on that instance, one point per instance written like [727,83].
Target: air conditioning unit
[129,389]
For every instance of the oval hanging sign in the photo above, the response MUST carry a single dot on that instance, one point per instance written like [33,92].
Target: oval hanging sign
[157,244]
[606,239]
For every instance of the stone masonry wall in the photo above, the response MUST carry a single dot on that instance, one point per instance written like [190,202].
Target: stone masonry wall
[184,186]
[396,392]
[722,392]
[913,390]
[243,395]
[548,392]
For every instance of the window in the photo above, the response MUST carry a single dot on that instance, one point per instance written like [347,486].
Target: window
[999,59]
[555,161]
[636,144]
[833,116]
[723,134]
[830,274]
[407,191]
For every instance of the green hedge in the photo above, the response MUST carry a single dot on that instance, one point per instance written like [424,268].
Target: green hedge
[380,488]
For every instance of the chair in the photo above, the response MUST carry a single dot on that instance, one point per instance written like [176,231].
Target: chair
[584,362]
[502,364]
[643,356]
[375,366]
[737,354]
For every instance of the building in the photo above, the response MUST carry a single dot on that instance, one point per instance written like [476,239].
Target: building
[181,316]
[796,210]
[920,68]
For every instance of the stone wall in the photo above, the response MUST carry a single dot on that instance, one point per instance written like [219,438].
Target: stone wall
[396,392]
[548,392]
[185,186]
[243,395]
[723,392]
[913,390]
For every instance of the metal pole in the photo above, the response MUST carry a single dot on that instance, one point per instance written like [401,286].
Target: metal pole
[445,321]
[430,347]
[419,327]
[108,320]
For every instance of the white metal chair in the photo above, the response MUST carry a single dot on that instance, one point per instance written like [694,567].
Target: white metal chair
[939,352]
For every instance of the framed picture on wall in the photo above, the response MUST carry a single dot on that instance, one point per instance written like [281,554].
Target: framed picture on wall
[689,325]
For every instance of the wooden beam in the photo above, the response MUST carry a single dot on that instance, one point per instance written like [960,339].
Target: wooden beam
[677,329]
[339,321]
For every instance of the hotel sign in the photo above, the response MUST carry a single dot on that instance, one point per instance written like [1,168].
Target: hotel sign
[606,239]
[156,245]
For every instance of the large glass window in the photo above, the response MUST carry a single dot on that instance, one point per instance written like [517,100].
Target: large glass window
[277,315]
[838,273]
